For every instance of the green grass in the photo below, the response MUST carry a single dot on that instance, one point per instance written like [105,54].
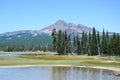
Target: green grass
[61,60]
[103,64]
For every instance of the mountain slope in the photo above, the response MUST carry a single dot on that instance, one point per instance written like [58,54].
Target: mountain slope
[26,39]
[69,27]
[59,25]
[40,37]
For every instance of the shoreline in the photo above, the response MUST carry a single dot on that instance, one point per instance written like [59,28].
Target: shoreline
[116,71]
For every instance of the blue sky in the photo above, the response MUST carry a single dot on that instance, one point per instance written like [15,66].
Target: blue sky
[37,14]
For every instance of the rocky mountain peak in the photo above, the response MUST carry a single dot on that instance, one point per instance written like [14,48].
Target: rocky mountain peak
[60,22]
[64,26]
[58,25]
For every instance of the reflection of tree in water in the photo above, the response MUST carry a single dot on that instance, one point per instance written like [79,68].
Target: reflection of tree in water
[69,73]
[76,73]
[60,73]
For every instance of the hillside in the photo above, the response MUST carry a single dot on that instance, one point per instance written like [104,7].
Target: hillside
[40,37]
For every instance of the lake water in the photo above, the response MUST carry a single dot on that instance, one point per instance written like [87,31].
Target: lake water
[56,73]
[17,55]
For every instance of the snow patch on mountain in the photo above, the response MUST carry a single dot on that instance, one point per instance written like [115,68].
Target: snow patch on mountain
[9,38]
[35,35]
[19,36]
[59,25]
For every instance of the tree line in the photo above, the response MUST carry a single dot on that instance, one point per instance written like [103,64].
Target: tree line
[92,43]
[23,48]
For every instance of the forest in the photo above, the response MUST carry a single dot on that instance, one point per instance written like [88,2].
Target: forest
[92,43]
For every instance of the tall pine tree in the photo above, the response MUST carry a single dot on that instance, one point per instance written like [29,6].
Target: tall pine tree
[98,43]
[84,43]
[78,45]
[89,43]
[54,37]
[60,46]
[104,44]
[94,48]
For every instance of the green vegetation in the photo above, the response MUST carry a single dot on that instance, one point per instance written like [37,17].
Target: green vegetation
[27,42]
[92,43]
[89,44]
[62,60]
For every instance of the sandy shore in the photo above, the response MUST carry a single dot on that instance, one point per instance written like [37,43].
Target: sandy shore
[115,70]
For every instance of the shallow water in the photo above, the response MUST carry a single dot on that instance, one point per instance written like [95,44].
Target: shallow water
[17,55]
[56,73]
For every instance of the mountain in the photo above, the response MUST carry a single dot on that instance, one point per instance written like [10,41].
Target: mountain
[40,37]
[59,25]
[69,27]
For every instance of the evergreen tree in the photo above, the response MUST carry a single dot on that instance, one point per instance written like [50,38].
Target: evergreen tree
[117,51]
[65,41]
[107,42]
[78,45]
[89,43]
[74,44]
[104,43]
[54,36]
[74,41]
[84,43]
[115,44]
[94,48]
[69,45]
[60,46]
[98,43]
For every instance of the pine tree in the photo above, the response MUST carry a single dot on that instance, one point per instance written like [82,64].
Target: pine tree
[60,43]
[94,48]
[104,43]
[74,41]
[78,45]
[69,44]
[89,43]
[74,44]
[54,36]
[107,42]
[117,51]
[98,43]
[111,44]
[84,43]
[115,44]
[65,39]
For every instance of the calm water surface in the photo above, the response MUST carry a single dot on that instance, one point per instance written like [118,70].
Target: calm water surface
[56,73]
[17,55]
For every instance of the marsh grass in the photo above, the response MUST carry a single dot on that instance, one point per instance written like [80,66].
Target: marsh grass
[58,58]
[99,63]
[61,60]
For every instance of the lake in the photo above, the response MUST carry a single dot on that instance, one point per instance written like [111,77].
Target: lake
[56,73]
[17,55]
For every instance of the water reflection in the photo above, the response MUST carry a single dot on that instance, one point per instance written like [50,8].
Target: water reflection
[74,73]
[56,73]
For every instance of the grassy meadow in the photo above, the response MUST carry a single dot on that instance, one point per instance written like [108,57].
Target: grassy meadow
[61,60]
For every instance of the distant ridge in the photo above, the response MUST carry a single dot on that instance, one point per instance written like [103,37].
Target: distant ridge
[41,37]
[59,25]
